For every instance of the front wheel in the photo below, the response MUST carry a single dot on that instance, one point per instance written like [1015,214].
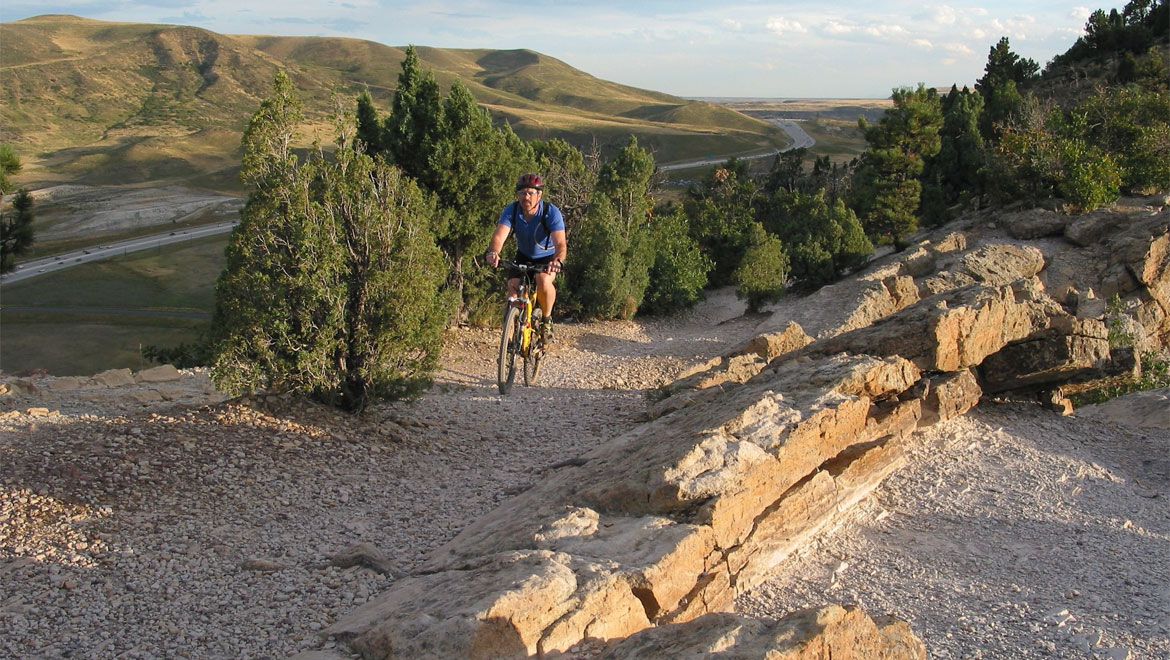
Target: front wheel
[506,371]
[535,354]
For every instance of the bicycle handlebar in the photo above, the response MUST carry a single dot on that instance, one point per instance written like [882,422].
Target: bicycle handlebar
[524,268]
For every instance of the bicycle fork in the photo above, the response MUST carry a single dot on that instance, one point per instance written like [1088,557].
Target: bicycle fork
[526,328]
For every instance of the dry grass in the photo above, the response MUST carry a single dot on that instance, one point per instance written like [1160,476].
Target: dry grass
[96,102]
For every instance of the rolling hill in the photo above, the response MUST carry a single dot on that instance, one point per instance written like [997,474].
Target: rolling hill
[96,102]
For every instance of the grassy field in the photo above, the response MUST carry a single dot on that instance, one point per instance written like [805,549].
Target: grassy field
[43,325]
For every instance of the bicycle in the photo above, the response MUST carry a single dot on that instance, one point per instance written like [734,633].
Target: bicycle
[520,336]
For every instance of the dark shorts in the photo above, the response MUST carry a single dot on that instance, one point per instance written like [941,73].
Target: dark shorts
[528,261]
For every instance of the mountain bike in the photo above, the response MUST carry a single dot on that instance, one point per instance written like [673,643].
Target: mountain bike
[520,336]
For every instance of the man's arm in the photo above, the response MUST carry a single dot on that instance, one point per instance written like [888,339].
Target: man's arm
[561,246]
[497,244]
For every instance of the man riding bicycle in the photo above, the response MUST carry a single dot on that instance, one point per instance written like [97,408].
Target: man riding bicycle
[540,240]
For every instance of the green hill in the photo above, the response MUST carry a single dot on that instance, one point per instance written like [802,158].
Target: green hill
[97,102]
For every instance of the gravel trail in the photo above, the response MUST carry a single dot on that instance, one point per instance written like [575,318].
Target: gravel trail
[217,529]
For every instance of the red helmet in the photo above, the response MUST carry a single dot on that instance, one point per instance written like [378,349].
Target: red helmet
[530,181]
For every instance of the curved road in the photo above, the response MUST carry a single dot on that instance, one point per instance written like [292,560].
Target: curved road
[791,127]
[36,267]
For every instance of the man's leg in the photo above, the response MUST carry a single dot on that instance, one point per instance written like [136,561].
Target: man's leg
[546,293]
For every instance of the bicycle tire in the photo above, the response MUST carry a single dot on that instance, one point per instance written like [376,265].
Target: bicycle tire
[535,353]
[506,367]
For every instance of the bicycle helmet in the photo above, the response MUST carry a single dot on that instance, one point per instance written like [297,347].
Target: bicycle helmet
[530,181]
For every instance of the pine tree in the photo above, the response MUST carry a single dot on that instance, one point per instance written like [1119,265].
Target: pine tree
[612,252]
[762,274]
[956,173]
[720,212]
[412,129]
[332,277]
[1000,85]
[16,229]
[679,272]
[472,166]
[887,188]
[9,164]
[369,126]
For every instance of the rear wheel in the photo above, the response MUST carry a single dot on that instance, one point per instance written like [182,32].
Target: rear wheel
[506,371]
[535,352]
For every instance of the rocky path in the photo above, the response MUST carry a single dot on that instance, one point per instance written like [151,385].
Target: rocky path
[1015,533]
[135,527]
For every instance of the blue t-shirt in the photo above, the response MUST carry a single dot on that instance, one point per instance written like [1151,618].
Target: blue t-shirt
[533,240]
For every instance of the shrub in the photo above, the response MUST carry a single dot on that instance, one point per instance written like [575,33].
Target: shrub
[680,269]
[763,271]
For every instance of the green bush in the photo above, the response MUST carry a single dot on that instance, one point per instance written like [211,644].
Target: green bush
[333,280]
[680,269]
[763,272]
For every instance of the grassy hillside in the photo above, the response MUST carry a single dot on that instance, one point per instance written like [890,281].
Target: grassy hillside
[102,103]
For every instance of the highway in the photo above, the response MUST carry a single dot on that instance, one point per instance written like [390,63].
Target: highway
[791,127]
[36,267]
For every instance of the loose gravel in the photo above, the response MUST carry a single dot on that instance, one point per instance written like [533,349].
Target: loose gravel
[208,529]
[1014,533]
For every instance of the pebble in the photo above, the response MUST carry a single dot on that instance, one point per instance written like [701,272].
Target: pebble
[1043,595]
[204,527]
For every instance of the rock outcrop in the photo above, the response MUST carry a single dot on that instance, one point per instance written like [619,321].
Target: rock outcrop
[759,449]
[830,633]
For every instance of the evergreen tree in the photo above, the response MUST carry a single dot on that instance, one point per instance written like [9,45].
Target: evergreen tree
[569,177]
[369,126]
[1000,85]
[823,239]
[762,273]
[956,172]
[413,127]
[332,277]
[887,188]
[16,229]
[9,164]
[472,168]
[612,252]
[679,272]
[720,212]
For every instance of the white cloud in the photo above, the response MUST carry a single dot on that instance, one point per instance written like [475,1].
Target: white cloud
[884,31]
[959,49]
[733,24]
[834,27]
[944,15]
[922,43]
[781,25]
[1080,13]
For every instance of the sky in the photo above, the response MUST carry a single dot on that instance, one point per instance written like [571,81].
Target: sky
[728,48]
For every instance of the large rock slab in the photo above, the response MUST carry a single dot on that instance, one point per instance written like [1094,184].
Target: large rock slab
[642,531]
[949,331]
[828,633]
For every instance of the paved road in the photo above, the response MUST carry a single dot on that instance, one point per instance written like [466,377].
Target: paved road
[791,127]
[36,267]
[102,311]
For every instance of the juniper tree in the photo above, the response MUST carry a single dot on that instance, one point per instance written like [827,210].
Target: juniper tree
[886,187]
[610,269]
[16,229]
[332,277]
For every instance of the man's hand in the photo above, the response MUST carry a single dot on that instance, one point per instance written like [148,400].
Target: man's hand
[553,267]
[492,258]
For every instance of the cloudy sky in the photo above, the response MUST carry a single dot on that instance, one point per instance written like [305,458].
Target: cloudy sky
[781,48]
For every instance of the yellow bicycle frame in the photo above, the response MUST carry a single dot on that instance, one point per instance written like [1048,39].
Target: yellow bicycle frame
[527,297]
